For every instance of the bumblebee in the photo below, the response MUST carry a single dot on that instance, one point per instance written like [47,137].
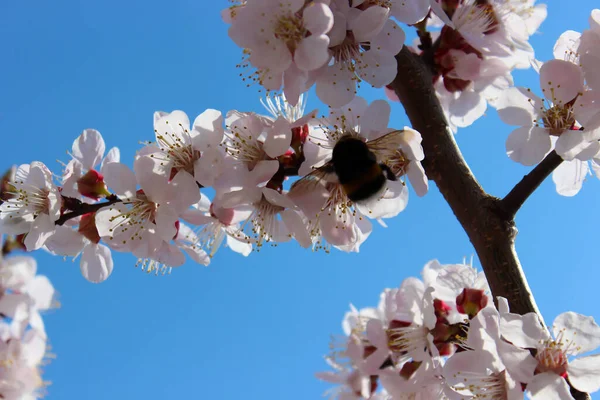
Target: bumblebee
[356,166]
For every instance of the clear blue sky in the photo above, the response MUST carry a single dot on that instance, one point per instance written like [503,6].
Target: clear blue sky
[256,327]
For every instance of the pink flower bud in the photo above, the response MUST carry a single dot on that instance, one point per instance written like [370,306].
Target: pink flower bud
[299,135]
[441,310]
[470,301]
[92,185]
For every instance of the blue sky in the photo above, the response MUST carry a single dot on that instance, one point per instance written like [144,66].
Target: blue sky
[253,327]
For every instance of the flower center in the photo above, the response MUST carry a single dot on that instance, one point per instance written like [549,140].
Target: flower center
[243,145]
[398,163]
[558,119]
[407,339]
[141,211]
[25,199]
[289,28]
[552,358]
[264,221]
[347,51]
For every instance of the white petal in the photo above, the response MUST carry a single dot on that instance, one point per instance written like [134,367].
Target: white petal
[418,179]
[150,177]
[579,329]
[278,199]
[312,52]
[566,45]
[561,81]
[209,167]
[298,229]
[336,86]
[278,138]
[41,229]
[42,292]
[375,119]
[516,108]
[390,39]
[165,222]
[263,172]
[113,155]
[35,347]
[209,126]
[120,179]
[584,373]
[96,263]
[528,145]
[379,67]
[89,148]
[548,386]
[369,23]
[411,12]
[197,254]
[569,176]
[184,191]
[570,144]
[318,18]
[65,241]
[17,271]
[239,246]
[522,330]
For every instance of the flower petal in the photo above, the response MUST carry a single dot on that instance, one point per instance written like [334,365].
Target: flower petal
[96,263]
[584,373]
[89,148]
[209,128]
[318,18]
[548,386]
[120,179]
[41,229]
[569,176]
[561,81]
[278,138]
[528,145]
[581,331]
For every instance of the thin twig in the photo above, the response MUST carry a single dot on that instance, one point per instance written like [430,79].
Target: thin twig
[514,200]
[84,208]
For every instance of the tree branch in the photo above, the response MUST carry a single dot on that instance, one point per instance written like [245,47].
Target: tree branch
[491,232]
[79,208]
[514,200]
[483,217]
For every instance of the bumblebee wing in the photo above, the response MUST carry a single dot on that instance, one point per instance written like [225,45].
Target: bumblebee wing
[389,141]
[308,182]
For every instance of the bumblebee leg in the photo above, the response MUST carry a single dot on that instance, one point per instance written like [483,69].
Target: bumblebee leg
[388,172]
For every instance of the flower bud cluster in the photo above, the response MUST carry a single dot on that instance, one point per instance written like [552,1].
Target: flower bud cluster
[442,337]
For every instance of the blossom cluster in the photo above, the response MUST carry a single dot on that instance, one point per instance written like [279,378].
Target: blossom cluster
[24,294]
[160,210]
[442,337]
[567,118]
[291,45]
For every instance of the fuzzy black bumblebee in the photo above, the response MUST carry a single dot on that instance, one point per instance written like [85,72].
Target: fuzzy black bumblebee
[356,166]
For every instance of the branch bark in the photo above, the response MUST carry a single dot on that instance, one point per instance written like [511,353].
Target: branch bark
[490,229]
[515,199]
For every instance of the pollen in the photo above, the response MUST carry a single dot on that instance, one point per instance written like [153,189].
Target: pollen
[289,28]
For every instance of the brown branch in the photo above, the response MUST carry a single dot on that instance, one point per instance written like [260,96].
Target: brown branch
[514,200]
[490,231]
[483,217]
[79,208]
